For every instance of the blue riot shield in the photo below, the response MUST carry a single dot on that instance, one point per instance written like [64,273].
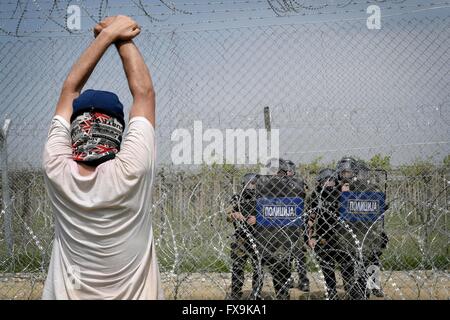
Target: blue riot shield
[361,206]
[279,212]
[279,221]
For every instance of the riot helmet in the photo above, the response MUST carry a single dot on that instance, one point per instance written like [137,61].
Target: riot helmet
[290,166]
[347,168]
[363,170]
[249,181]
[326,177]
[280,166]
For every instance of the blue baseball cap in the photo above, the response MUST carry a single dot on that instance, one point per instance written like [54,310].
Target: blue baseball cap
[101,101]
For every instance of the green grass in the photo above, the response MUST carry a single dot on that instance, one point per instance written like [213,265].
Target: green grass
[196,254]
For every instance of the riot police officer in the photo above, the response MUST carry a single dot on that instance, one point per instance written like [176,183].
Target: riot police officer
[242,213]
[323,231]
[299,253]
[368,233]
[278,244]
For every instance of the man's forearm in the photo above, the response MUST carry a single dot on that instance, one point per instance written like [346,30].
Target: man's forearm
[83,68]
[80,73]
[138,75]
[139,81]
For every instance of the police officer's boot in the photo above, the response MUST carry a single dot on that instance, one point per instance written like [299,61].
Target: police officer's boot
[304,286]
[283,294]
[256,289]
[378,292]
[291,283]
[303,281]
[237,282]
[235,296]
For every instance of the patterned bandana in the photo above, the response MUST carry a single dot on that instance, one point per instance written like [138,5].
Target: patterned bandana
[96,137]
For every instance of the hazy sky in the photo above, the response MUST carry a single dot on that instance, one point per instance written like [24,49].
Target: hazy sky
[334,87]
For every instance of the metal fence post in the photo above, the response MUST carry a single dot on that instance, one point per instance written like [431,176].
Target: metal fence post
[6,200]
[267,121]
[268,127]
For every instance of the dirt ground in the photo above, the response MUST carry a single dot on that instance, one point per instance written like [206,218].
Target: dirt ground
[215,286]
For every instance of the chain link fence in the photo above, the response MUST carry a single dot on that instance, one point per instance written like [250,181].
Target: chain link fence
[332,89]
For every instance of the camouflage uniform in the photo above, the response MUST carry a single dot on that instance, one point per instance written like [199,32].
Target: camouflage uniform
[278,245]
[323,226]
[370,237]
[241,246]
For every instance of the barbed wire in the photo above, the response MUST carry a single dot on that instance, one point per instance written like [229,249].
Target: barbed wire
[173,10]
[224,77]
